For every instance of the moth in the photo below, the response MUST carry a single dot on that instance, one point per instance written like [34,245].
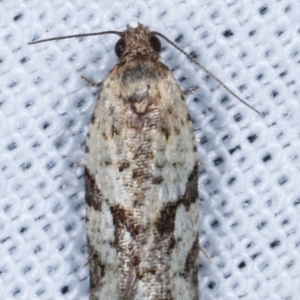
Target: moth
[141,178]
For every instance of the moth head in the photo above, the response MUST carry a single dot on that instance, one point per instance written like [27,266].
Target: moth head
[138,42]
[120,46]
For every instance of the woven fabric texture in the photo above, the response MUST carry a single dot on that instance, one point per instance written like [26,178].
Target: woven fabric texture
[250,166]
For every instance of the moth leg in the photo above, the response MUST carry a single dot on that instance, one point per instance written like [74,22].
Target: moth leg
[205,253]
[78,166]
[191,90]
[91,83]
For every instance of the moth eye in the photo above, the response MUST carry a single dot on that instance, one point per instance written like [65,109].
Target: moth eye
[155,43]
[120,47]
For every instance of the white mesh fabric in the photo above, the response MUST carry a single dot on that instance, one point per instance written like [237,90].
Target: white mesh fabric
[249,183]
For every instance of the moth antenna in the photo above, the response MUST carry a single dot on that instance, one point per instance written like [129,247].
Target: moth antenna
[75,36]
[191,58]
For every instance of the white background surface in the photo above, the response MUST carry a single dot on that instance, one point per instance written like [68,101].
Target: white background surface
[249,183]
